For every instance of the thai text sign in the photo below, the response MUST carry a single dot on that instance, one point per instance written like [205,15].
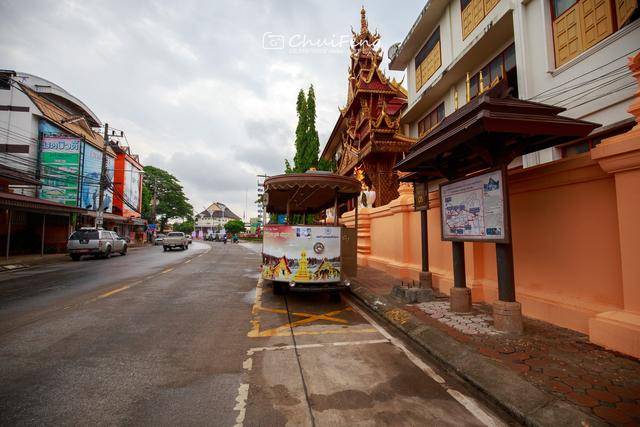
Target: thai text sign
[301,254]
[475,209]
[60,163]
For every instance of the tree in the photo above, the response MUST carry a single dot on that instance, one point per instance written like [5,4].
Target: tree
[171,200]
[234,226]
[307,142]
[186,227]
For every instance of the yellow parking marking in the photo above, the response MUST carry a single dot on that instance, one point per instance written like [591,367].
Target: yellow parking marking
[115,291]
[168,270]
[307,318]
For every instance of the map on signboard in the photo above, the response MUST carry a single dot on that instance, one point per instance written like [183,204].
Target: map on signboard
[473,208]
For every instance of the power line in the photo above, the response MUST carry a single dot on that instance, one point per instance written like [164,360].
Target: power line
[584,74]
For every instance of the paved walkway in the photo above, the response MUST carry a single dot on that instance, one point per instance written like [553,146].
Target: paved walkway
[558,361]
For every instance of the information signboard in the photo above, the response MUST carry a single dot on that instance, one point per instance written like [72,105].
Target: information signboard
[475,209]
[420,196]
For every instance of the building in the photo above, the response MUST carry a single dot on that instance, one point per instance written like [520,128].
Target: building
[367,137]
[127,186]
[570,204]
[213,219]
[49,138]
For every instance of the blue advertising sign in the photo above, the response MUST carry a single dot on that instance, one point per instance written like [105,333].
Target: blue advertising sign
[91,172]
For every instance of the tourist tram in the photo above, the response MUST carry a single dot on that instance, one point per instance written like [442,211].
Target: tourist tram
[304,255]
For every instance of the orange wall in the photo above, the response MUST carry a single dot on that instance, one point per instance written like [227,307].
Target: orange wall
[565,243]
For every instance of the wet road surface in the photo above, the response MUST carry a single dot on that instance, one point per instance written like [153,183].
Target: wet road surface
[192,338]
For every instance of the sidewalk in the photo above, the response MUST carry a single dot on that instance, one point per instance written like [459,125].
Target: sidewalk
[547,376]
[24,261]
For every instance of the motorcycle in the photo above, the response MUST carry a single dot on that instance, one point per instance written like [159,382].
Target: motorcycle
[224,240]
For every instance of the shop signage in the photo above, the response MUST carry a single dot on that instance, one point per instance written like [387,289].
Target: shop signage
[475,209]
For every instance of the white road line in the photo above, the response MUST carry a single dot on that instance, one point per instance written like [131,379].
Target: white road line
[318,345]
[187,261]
[241,404]
[471,405]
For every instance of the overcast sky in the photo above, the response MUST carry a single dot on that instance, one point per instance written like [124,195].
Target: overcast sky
[191,82]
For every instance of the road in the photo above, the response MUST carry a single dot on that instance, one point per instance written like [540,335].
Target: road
[193,338]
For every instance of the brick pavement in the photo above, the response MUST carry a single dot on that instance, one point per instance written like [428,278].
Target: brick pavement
[556,360]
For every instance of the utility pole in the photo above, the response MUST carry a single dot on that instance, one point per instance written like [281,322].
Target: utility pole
[103,176]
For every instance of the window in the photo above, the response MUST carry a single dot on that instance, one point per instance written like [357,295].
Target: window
[580,24]
[432,120]
[473,12]
[84,235]
[502,66]
[428,59]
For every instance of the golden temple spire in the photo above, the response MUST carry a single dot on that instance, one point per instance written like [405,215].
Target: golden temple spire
[363,21]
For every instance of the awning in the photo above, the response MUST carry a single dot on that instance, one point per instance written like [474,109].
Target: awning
[18,201]
[488,132]
[107,216]
[308,192]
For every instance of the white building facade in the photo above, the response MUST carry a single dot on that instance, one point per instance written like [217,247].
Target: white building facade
[572,54]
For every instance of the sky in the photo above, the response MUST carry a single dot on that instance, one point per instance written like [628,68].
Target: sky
[203,89]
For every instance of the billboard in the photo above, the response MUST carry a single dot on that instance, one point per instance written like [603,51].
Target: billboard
[301,253]
[60,164]
[474,209]
[91,172]
[131,187]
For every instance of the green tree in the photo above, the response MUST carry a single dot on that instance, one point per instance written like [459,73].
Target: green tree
[186,227]
[234,226]
[307,142]
[171,200]
[312,141]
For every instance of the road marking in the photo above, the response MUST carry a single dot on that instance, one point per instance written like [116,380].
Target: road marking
[115,291]
[470,404]
[187,261]
[241,403]
[168,270]
[254,350]
[308,318]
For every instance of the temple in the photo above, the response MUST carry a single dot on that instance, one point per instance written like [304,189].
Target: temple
[366,140]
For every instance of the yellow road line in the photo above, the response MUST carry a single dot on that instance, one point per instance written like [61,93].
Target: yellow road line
[115,291]
[168,270]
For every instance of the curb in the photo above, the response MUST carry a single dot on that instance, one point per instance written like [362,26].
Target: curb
[518,397]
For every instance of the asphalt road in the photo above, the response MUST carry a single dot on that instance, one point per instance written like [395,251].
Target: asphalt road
[193,338]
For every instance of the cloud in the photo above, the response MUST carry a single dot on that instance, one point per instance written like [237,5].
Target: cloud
[190,82]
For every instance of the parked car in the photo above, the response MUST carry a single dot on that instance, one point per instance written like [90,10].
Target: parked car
[95,241]
[159,238]
[175,239]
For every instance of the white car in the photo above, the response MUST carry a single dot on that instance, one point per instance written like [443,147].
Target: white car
[175,239]
[95,241]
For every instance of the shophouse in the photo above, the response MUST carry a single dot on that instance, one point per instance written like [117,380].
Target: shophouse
[47,137]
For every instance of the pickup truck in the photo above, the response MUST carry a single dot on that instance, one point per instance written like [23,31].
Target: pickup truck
[175,239]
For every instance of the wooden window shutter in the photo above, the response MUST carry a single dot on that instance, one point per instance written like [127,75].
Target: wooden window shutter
[567,36]
[467,21]
[624,9]
[489,5]
[418,77]
[478,12]
[596,21]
